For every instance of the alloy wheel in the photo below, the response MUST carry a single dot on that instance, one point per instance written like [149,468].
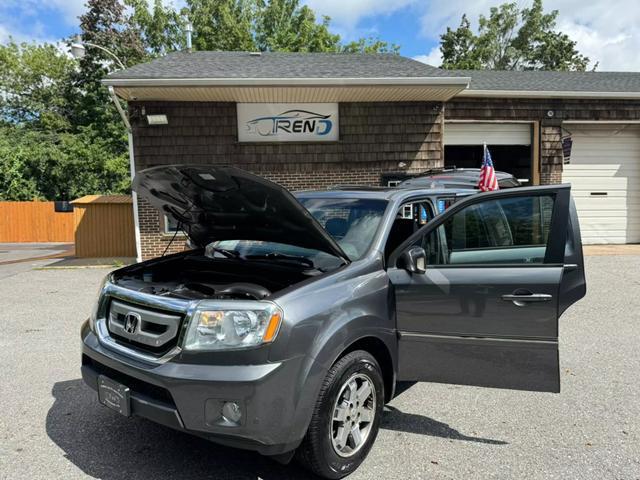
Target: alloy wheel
[353,415]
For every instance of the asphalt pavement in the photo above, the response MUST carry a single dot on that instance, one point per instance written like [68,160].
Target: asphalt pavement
[52,427]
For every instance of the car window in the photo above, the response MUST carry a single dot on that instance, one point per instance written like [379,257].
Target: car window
[505,230]
[352,222]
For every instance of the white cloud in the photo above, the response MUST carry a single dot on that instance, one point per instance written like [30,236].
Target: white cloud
[606,31]
[433,58]
[19,36]
[66,10]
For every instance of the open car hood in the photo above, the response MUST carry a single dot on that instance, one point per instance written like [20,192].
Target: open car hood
[226,203]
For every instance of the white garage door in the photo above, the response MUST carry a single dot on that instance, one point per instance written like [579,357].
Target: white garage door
[490,133]
[605,177]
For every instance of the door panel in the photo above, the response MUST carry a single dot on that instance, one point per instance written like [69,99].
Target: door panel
[482,362]
[492,320]
[468,301]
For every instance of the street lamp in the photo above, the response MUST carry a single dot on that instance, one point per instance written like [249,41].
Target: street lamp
[78,50]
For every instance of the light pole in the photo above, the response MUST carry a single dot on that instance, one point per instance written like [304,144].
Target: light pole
[78,50]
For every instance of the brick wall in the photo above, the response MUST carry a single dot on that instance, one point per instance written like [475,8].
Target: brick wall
[550,126]
[375,138]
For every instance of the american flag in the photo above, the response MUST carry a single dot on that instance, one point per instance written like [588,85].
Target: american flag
[488,180]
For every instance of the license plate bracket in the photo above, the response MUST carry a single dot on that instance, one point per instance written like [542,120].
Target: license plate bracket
[114,395]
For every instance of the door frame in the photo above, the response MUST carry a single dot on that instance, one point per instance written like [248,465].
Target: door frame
[559,219]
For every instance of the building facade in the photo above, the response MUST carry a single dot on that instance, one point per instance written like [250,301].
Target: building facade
[397,118]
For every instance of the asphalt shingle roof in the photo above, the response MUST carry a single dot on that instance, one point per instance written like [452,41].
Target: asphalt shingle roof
[277,65]
[280,65]
[540,81]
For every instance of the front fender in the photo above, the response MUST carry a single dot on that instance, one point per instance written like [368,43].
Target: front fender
[325,324]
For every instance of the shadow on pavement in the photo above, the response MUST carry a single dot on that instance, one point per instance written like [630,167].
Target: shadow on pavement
[107,446]
[110,447]
[398,421]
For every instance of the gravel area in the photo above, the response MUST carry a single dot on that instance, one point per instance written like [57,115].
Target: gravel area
[52,426]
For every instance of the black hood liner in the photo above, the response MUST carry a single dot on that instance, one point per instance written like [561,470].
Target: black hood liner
[227,203]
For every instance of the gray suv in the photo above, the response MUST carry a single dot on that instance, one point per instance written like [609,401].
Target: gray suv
[286,327]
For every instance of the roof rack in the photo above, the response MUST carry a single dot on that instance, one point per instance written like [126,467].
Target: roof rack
[356,187]
[431,171]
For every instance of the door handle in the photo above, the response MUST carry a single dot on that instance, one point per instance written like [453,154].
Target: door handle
[522,299]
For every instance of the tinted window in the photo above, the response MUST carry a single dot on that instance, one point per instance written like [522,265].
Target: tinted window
[352,222]
[507,230]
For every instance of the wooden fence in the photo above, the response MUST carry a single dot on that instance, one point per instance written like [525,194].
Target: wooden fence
[104,226]
[34,222]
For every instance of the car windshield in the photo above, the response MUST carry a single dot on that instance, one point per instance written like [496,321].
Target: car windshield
[351,222]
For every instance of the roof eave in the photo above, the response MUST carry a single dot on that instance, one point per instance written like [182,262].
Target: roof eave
[268,82]
[547,94]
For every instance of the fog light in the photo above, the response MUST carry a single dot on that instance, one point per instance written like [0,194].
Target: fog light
[231,412]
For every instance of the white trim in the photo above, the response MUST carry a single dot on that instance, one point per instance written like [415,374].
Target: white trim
[486,121]
[134,197]
[547,94]
[132,169]
[602,122]
[255,82]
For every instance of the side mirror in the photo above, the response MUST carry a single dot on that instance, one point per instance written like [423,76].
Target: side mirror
[414,260]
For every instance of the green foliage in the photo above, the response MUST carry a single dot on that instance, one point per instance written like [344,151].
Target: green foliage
[43,165]
[61,136]
[458,48]
[370,45]
[222,24]
[285,26]
[161,27]
[511,38]
[33,79]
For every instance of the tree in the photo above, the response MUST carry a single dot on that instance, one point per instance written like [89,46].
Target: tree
[222,24]
[282,25]
[161,27]
[60,134]
[33,79]
[511,39]
[370,45]
[458,48]
[105,24]
[36,164]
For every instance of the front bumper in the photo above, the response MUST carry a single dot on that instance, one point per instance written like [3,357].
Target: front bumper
[189,397]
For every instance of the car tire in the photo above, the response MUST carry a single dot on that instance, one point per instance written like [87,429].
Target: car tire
[346,418]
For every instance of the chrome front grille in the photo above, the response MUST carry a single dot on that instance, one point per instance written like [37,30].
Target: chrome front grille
[139,327]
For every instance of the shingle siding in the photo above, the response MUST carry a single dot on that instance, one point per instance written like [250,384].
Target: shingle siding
[550,126]
[375,138]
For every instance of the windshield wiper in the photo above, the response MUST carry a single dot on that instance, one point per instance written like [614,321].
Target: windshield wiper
[283,257]
[224,251]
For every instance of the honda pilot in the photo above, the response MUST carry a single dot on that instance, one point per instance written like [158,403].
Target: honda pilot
[286,326]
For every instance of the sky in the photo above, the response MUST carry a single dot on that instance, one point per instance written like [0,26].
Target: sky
[607,31]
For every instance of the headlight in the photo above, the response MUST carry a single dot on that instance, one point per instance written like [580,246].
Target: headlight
[96,304]
[232,324]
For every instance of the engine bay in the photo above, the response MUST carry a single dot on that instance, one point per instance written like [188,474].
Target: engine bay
[196,290]
[194,276]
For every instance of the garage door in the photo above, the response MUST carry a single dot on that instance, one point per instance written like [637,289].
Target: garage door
[605,175]
[490,133]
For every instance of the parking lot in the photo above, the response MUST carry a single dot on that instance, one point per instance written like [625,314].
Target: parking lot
[51,425]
